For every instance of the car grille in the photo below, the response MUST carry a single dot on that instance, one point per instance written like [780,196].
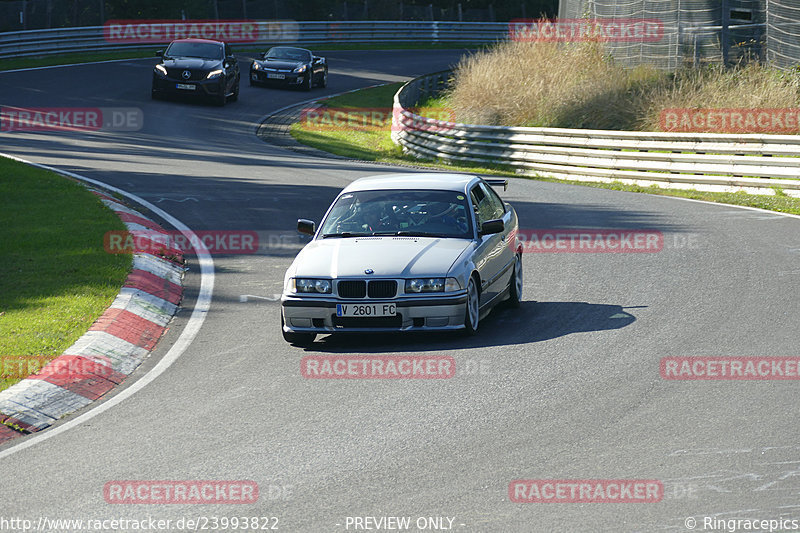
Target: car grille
[368,322]
[379,288]
[382,288]
[177,73]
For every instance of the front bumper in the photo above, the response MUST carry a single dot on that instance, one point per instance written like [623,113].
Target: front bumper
[428,313]
[290,79]
[167,85]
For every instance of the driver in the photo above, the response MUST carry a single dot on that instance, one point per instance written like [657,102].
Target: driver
[371,214]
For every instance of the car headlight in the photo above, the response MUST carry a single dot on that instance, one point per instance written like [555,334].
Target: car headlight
[214,74]
[256,66]
[321,286]
[432,285]
[301,68]
[162,69]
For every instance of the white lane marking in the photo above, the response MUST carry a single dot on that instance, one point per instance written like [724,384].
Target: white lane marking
[74,64]
[192,198]
[185,339]
[246,297]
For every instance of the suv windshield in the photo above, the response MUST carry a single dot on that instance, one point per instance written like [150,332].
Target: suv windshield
[290,54]
[190,49]
[399,212]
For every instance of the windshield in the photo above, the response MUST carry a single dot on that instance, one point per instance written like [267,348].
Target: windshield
[290,54]
[415,212]
[191,49]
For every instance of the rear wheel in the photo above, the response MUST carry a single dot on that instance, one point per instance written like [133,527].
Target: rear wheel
[297,339]
[472,316]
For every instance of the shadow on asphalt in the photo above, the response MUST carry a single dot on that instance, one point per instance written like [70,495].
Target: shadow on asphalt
[532,322]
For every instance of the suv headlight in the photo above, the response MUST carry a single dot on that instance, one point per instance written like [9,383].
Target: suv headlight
[432,285]
[256,66]
[306,285]
[301,68]
[161,69]
[214,74]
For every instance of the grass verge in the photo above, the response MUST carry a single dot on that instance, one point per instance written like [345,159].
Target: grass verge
[56,277]
[375,144]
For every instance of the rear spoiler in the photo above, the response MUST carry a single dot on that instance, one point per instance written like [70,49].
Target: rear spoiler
[497,182]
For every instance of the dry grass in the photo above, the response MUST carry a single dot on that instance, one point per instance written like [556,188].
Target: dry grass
[578,85]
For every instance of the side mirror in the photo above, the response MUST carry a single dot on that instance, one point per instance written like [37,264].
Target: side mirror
[159,53]
[263,55]
[490,227]
[226,64]
[308,227]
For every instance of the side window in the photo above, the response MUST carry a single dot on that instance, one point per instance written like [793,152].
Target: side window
[498,208]
[482,205]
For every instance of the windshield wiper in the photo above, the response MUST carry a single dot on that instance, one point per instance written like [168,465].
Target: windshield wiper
[417,234]
[344,234]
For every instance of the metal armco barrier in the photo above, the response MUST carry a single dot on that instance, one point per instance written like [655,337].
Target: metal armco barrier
[733,160]
[64,40]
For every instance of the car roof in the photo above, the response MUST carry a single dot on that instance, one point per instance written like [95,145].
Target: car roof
[290,48]
[195,40]
[417,180]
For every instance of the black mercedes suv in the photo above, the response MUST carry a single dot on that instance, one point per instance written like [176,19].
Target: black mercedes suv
[197,67]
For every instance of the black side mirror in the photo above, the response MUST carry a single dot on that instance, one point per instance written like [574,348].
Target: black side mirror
[490,227]
[308,227]
[160,53]
[263,55]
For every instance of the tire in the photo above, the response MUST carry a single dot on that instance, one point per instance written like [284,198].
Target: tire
[324,82]
[472,313]
[515,284]
[154,94]
[309,83]
[297,339]
[220,100]
[235,95]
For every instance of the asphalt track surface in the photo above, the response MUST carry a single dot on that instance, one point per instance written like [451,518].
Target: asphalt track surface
[567,387]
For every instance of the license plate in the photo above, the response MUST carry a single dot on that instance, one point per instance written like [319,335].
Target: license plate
[366,310]
[274,76]
[187,86]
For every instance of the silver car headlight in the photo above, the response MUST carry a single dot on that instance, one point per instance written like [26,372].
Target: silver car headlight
[161,69]
[300,69]
[256,66]
[309,285]
[214,74]
[432,285]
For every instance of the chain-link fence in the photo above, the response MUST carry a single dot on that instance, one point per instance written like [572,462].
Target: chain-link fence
[695,31]
[783,33]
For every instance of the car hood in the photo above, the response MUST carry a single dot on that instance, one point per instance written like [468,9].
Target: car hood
[193,63]
[387,256]
[280,63]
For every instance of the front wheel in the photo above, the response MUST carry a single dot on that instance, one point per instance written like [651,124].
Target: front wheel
[515,283]
[472,314]
[309,81]
[297,339]
[324,82]
[235,95]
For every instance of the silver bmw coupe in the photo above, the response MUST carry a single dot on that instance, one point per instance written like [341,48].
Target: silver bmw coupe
[404,252]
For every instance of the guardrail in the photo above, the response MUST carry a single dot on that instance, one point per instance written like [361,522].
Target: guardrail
[64,40]
[732,160]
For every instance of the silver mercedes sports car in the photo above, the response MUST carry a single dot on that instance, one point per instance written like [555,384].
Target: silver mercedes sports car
[404,252]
